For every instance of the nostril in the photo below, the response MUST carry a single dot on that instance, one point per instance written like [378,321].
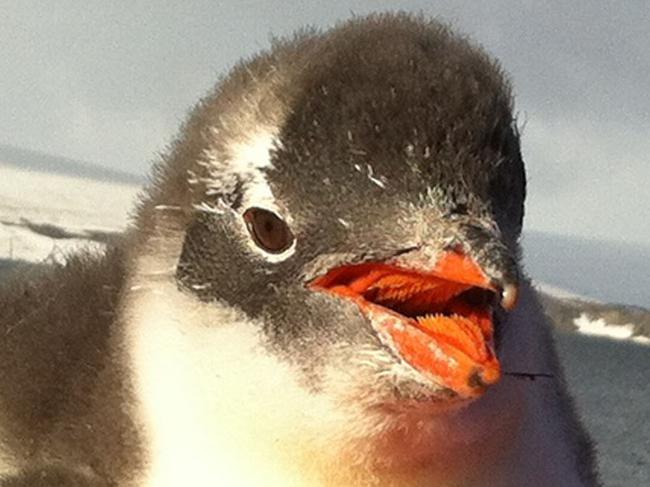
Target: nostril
[483,378]
[475,380]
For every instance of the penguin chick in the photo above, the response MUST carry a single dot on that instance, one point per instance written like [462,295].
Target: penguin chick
[321,287]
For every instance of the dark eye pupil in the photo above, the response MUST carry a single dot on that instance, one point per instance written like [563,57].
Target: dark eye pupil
[268,230]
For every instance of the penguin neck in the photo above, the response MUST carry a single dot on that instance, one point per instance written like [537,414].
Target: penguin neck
[216,411]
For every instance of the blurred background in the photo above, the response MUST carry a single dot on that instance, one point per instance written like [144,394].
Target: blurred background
[92,91]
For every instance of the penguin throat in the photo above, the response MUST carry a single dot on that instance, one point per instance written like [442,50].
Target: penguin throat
[439,322]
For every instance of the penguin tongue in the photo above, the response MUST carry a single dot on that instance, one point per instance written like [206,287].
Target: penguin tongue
[440,322]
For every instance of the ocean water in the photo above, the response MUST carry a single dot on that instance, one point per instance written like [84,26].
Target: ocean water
[609,380]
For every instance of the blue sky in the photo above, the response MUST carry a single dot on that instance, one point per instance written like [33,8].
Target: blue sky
[109,83]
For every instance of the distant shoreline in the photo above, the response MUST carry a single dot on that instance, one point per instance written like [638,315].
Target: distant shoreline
[47,163]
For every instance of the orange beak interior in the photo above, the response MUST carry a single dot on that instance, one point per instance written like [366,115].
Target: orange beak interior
[440,322]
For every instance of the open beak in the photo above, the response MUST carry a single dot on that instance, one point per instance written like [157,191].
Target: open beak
[439,321]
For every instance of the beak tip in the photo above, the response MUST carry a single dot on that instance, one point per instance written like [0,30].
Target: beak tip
[509,297]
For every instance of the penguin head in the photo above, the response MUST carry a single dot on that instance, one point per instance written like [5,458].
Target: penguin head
[357,195]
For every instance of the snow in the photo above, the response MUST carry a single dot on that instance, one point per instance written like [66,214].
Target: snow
[67,201]
[20,243]
[600,327]
[71,204]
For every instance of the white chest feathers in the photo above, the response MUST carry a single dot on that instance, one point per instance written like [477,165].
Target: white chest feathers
[217,409]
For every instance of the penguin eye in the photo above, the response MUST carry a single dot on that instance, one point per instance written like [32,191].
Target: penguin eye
[268,230]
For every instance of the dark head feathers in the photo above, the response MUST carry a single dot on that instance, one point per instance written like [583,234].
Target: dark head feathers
[380,87]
